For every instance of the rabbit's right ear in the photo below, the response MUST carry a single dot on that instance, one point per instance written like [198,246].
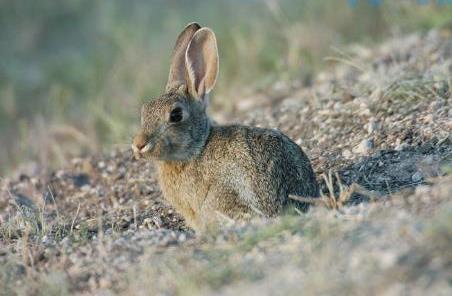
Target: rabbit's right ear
[201,61]
[177,69]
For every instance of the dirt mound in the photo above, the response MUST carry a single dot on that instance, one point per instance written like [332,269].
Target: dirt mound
[382,117]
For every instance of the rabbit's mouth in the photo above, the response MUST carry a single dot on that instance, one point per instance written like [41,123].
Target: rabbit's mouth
[140,152]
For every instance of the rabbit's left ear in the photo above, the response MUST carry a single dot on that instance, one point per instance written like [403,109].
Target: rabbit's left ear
[201,61]
[177,71]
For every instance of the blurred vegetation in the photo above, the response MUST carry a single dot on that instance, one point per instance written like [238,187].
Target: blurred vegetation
[73,73]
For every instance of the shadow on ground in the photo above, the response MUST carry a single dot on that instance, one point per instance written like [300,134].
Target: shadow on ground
[390,171]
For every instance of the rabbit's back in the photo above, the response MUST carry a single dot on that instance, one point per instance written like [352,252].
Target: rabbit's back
[266,159]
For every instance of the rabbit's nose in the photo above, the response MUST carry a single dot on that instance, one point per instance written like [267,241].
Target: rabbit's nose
[140,141]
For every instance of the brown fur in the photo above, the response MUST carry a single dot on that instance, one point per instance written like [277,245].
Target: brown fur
[213,172]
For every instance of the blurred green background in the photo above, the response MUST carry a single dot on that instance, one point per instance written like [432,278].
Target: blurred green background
[74,73]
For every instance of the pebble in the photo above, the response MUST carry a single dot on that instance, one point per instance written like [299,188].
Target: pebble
[104,283]
[428,118]
[371,126]
[347,154]
[182,237]
[364,147]
[110,169]
[86,188]
[417,177]
[59,174]
[400,145]
[157,221]
[387,259]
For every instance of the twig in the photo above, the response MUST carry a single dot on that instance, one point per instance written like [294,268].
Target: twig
[75,218]
[311,200]
[54,201]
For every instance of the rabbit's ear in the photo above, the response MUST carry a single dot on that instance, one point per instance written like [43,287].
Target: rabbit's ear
[177,69]
[201,61]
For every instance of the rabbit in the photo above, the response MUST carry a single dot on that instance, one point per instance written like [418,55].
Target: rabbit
[210,172]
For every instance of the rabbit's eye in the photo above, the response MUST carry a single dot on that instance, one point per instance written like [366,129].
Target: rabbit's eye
[176,115]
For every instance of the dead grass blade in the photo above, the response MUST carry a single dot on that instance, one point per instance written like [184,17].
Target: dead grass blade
[331,200]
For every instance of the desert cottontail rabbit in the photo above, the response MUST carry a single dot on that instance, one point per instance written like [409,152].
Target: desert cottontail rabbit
[209,172]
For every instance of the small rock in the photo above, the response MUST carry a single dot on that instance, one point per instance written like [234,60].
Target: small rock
[110,169]
[347,154]
[371,126]
[376,94]
[387,259]
[417,177]
[147,223]
[85,188]
[60,174]
[399,145]
[428,118]
[182,237]
[105,283]
[364,147]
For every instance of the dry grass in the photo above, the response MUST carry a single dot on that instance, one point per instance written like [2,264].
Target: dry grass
[335,199]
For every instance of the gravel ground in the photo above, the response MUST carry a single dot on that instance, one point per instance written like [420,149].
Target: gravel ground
[378,121]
